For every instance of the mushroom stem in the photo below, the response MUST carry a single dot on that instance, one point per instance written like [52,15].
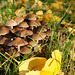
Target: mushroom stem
[18,48]
[11,27]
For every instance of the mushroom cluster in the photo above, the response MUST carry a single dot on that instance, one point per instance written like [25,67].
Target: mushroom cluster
[19,35]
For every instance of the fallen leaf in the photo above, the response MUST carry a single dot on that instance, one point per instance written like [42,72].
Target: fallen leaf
[46,17]
[39,65]
[20,12]
[39,13]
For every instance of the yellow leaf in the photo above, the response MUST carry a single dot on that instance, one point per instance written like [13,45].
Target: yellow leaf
[49,11]
[20,12]
[53,64]
[56,6]
[35,63]
[39,65]
[56,18]
[33,73]
[46,73]
[39,13]
[57,55]
[47,17]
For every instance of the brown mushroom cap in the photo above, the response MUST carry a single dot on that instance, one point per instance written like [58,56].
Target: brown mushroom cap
[39,28]
[37,48]
[11,22]
[18,41]
[24,33]
[49,33]
[38,23]
[16,29]
[31,17]
[32,43]
[43,23]
[42,35]
[4,40]
[24,25]
[25,50]
[33,23]
[4,30]
[18,20]
[36,37]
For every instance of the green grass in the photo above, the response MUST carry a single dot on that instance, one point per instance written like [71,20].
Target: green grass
[11,67]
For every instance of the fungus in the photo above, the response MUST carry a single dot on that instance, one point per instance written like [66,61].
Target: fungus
[18,42]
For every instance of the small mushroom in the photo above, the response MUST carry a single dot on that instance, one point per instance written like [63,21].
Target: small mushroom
[49,33]
[4,30]
[31,17]
[37,48]
[25,50]
[18,20]
[18,42]
[24,33]
[43,23]
[16,29]
[11,23]
[36,37]
[24,25]
[39,28]
[33,24]
[32,43]
[42,35]
[38,23]
[4,41]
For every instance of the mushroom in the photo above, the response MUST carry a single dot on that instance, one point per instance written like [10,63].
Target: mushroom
[24,25]
[25,50]
[18,42]
[41,34]
[38,23]
[32,24]
[4,40]
[36,37]
[43,23]
[16,29]
[37,48]
[4,30]
[31,17]
[24,33]
[18,20]
[11,23]
[39,28]
[32,43]
[49,33]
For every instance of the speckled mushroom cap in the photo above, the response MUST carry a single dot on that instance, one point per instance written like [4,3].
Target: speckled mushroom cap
[18,20]
[4,30]
[24,25]
[31,17]
[18,41]
[11,23]
[25,50]
[4,41]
